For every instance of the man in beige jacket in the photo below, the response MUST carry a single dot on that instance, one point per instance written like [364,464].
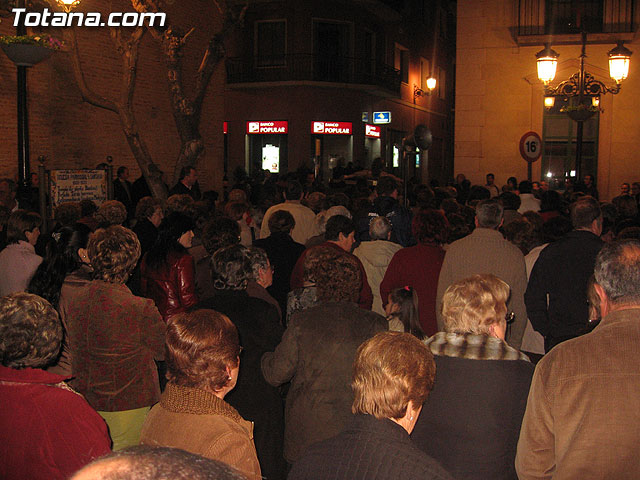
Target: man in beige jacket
[375,256]
[486,251]
[582,417]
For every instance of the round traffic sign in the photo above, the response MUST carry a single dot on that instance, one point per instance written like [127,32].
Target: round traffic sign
[531,146]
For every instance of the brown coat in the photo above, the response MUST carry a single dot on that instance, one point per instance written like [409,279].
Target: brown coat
[114,337]
[316,354]
[582,417]
[199,422]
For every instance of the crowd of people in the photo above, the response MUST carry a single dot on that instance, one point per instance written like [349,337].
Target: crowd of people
[290,329]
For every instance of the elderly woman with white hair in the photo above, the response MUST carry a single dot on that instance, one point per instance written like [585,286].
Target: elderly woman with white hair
[471,421]
[375,255]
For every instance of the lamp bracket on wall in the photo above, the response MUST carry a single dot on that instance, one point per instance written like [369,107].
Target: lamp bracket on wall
[418,92]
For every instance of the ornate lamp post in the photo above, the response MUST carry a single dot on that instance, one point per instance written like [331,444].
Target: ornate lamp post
[24,169]
[581,85]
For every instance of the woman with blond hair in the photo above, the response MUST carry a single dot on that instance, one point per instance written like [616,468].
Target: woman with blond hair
[471,421]
[393,374]
[203,362]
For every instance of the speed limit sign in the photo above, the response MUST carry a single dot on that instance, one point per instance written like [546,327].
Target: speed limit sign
[531,146]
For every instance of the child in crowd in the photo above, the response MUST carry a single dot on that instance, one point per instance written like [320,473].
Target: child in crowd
[402,312]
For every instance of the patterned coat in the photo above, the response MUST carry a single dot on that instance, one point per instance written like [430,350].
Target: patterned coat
[368,449]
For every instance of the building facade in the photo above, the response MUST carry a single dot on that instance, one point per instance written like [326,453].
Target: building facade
[499,97]
[307,83]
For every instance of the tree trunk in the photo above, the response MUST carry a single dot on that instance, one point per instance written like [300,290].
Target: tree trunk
[150,170]
[124,108]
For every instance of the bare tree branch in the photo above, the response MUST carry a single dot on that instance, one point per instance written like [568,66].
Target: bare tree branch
[88,95]
[116,37]
[150,6]
[131,65]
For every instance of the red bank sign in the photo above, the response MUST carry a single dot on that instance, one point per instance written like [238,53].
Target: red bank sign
[372,131]
[331,128]
[267,127]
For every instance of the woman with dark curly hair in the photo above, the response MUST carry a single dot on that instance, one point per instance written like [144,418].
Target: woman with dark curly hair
[419,266]
[260,331]
[317,351]
[111,212]
[203,359]
[115,336]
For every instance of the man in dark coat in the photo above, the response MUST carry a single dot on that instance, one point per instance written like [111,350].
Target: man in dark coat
[556,295]
[122,191]
[187,184]
[283,254]
[387,205]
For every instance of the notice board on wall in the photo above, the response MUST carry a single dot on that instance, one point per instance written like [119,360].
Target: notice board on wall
[77,185]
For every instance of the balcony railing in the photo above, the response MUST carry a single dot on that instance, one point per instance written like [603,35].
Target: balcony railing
[549,17]
[317,68]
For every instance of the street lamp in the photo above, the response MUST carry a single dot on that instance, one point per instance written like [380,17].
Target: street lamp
[547,60]
[619,59]
[418,92]
[24,169]
[68,5]
[581,85]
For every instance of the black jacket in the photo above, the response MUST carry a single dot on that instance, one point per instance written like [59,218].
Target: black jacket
[368,449]
[470,422]
[260,331]
[123,194]
[180,189]
[562,272]
[283,254]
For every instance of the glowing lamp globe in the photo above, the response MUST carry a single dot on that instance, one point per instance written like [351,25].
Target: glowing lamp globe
[547,60]
[68,5]
[619,59]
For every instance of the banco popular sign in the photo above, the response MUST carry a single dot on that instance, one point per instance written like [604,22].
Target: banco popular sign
[267,127]
[335,128]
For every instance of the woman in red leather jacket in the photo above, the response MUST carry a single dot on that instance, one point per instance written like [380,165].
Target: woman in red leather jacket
[167,270]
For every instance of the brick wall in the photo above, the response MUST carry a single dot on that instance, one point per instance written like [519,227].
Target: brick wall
[74,134]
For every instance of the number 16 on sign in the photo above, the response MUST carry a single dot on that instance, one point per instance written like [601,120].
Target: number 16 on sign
[530,149]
